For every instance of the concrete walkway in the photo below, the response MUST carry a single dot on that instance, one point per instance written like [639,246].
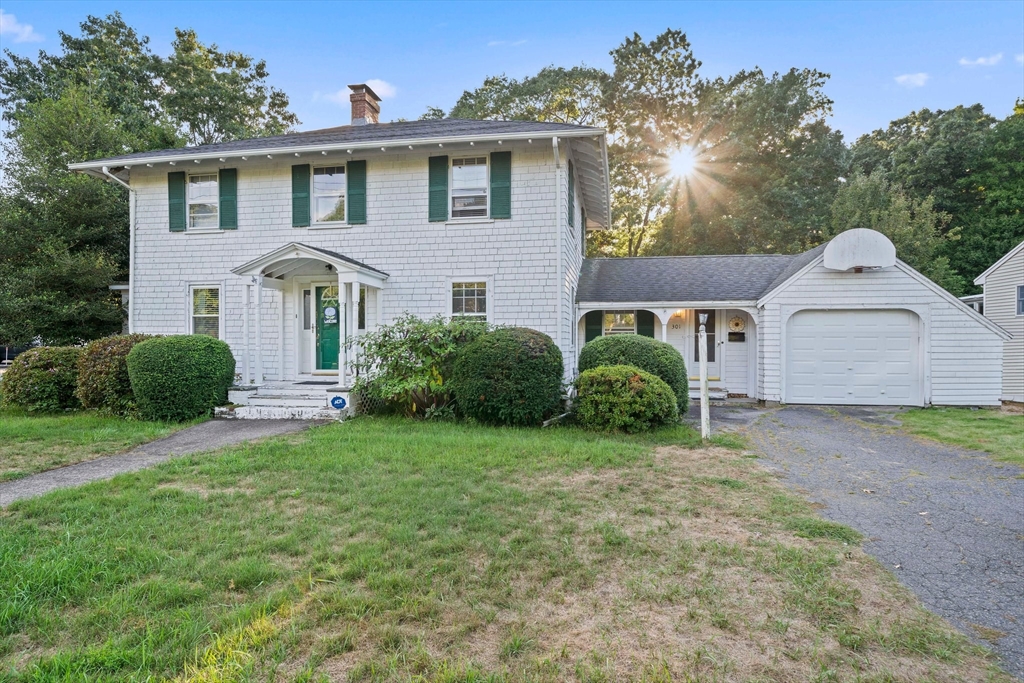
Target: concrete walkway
[207,436]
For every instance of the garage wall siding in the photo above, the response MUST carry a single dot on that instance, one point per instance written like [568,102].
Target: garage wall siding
[1001,308]
[965,356]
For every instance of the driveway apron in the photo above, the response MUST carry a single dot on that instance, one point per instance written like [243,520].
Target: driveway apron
[948,522]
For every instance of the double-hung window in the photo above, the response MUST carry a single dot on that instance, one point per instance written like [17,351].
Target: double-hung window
[1020,299]
[469,187]
[469,300]
[620,322]
[202,201]
[206,311]
[329,194]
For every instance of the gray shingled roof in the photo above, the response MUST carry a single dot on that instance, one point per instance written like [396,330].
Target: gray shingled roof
[741,277]
[346,259]
[379,132]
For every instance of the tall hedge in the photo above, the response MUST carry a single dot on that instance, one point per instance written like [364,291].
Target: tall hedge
[623,398]
[103,381]
[42,379]
[182,377]
[510,376]
[651,355]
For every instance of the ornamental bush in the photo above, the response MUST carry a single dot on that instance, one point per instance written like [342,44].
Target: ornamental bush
[103,381]
[655,357]
[181,377]
[42,379]
[511,376]
[404,367]
[623,397]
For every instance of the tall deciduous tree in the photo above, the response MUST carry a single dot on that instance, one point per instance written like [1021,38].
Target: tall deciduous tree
[554,94]
[914,225]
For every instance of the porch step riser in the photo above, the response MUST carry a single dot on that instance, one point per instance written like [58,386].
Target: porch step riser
[280,413]
[288,401]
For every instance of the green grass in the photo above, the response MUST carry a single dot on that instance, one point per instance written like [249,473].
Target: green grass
[387,549]
[32,443]
[992,431]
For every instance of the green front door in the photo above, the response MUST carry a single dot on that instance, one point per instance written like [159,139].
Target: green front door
[328,327]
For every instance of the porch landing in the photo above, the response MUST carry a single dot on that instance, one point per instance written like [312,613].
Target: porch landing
[298,400]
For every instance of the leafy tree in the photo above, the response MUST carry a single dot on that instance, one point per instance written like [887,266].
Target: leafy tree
[554,94]
[215,96]
[991,211]
[913,225]
[768,167]
[432,114]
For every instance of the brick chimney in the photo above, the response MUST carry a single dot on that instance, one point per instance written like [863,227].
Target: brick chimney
[365,107]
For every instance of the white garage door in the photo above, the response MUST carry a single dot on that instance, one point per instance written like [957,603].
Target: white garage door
[853,357]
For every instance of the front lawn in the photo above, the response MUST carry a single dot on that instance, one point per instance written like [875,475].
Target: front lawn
[34,443]
[393,550]
[993,431]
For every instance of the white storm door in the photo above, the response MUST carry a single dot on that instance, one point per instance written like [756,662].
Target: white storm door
[855,357]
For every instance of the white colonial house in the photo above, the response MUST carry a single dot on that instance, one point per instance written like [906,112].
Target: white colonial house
[1002,302]
[286,247]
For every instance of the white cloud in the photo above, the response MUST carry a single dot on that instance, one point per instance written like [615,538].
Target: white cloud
[991,60]
[20,33]
[912,80]
[509,43]
[1020,59]
[384,89]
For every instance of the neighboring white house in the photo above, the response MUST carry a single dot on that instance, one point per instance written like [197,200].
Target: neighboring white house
[287,246]
[1003,303]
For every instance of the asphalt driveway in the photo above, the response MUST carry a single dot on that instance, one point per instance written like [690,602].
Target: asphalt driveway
[948,522]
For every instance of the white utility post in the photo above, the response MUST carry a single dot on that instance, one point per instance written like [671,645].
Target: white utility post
[705,408]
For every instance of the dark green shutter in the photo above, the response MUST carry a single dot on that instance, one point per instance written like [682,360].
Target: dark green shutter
[572,196]
[645,323]
[594,325]
[176,201]
[438,182]
[227,185]
[355,171]
[501,184]
[300,196]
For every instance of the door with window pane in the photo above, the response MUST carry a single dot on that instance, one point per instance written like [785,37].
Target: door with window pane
[328,327]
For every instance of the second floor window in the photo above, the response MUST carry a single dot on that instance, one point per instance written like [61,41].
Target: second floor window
[329,194]
[202,201]
[1020,299]
[469,187]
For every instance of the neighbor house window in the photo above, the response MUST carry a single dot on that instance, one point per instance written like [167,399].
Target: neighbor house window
[620,322]
[1020,299]
[469,187]
[202,201]
[329,194]
[469,300]
[206,311]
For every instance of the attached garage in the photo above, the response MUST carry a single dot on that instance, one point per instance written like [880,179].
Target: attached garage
[856,357]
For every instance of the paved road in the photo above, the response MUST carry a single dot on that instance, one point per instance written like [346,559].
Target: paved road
[207,436]
[948,522]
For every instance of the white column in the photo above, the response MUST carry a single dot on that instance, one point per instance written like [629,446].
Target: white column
[258,281]
[248,333]
[280,350]
[379,293]
[342,317]
[352,320]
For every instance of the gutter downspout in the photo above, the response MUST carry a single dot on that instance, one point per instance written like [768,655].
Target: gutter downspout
[558,226]
[131,246]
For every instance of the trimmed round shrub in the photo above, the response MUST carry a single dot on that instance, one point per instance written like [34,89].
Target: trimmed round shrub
[103,381]
[623,398]
[656,357]
[42,379]
[181,377]
[510,376]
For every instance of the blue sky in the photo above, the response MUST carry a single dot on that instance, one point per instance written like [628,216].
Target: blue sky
[886,59]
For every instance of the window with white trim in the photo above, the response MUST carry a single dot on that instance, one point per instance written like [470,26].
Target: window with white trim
[620,322]
[202,201]
[469,300]
[1020,299]
[329,194]
[206,311]
[469,187]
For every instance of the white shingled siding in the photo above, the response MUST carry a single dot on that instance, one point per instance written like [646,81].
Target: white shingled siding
[1001,308]
[961,357]
[520,256]
[572,260]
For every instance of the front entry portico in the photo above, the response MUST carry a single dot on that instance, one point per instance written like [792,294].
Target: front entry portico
[320,310]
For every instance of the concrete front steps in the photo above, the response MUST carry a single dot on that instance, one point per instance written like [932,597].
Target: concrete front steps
[714,393]
[288,401]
